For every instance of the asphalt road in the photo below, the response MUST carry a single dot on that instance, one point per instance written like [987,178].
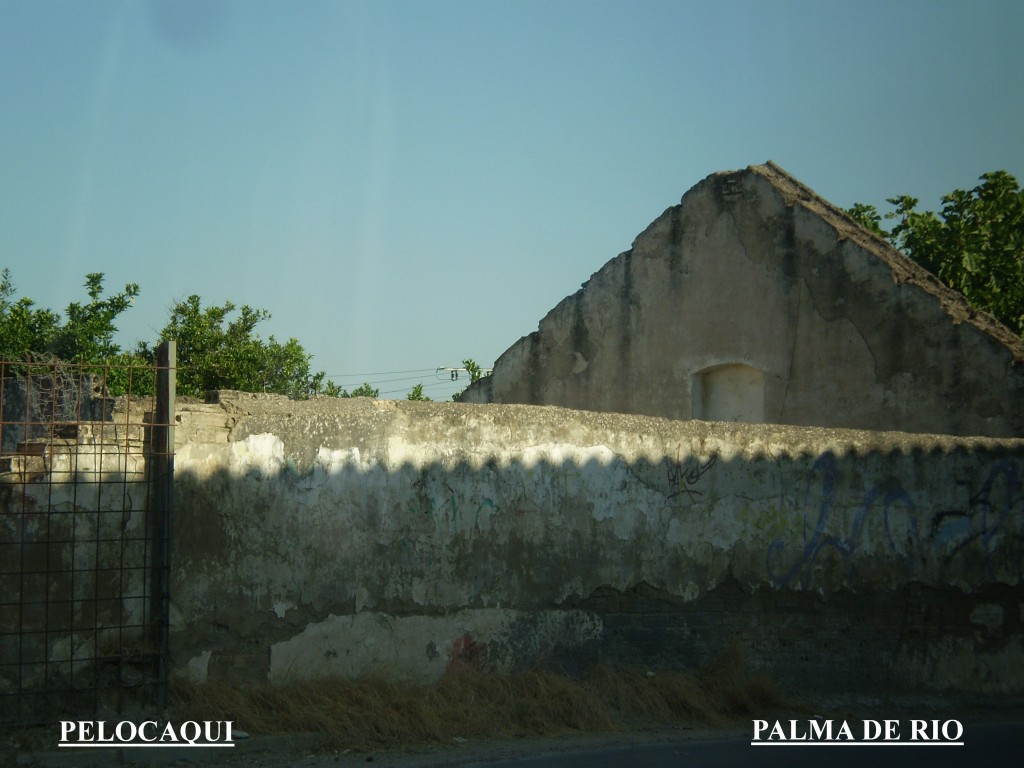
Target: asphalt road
[985,744]
[989,744]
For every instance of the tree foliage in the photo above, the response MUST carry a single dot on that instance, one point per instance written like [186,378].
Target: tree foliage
[219,349]
[416,393]
[217,346]
[363,390]
[474,370]
[88,333]
[975,244]
[24,330]
[84,335]
[470,366]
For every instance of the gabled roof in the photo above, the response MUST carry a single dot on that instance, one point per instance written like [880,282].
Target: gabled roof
[752,271]
[904,269]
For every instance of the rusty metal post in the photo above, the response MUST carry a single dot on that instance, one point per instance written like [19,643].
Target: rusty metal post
[162,456]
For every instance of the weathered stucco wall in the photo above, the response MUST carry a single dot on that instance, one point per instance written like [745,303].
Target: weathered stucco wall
[371,537]
[75,529]
[753,272]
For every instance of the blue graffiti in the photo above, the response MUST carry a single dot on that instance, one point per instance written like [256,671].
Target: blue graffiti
[993,521]
[904,543]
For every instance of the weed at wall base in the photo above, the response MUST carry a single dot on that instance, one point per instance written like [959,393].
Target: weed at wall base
[472,704]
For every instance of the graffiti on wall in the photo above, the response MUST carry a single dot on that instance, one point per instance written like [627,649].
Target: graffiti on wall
[993,521]
[990,526]
[435,497]
[683,477]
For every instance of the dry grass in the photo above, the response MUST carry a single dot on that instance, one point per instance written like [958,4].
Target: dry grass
[716,694]
[468,703]
[364,713]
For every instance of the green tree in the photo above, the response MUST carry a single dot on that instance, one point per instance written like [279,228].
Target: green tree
[474,371]
[129,372]
[363,390]
[218,352]
[217,347]
[24,330]
[974,245]
[86,335]
[325,388]
[868,217]
[417,394]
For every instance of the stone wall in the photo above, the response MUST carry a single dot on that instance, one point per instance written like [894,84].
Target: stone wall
[755,300]
[363,537]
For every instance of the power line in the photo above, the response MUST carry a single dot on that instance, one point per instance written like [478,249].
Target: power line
[377,373]
[357,382]
[454,372]
[450,376]
[425,386]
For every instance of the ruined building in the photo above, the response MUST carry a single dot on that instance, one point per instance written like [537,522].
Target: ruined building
[756,300]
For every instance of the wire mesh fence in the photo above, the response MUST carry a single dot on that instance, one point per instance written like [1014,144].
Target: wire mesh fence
[84,510]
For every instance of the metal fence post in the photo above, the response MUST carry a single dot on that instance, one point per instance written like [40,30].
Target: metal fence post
[163,489]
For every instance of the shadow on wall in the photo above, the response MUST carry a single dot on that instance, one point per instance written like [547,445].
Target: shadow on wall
[402,540]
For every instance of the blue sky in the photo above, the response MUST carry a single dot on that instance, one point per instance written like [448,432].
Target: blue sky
[406,184]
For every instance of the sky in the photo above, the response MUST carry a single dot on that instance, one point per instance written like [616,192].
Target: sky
[404,185]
